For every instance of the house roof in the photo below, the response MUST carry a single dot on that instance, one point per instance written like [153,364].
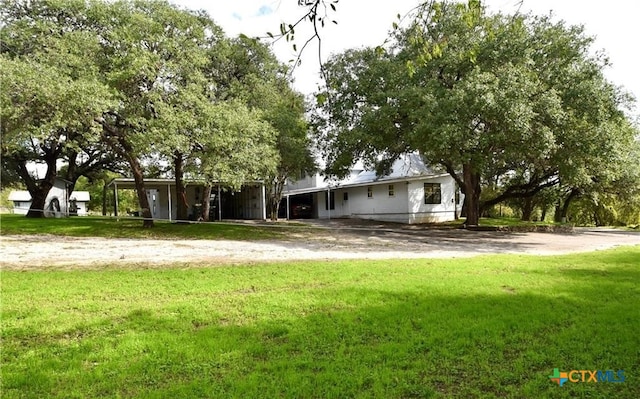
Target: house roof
[407,168]
[24,196]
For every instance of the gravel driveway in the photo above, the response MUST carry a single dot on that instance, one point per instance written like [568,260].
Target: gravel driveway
[36,252]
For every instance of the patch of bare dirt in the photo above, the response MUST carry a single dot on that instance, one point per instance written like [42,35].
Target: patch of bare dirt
[39,252]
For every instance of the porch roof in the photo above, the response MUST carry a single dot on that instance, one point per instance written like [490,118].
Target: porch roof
[129,182]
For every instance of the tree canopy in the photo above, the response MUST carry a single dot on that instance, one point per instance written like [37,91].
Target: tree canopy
[129,80]
[49,97]
[515,98]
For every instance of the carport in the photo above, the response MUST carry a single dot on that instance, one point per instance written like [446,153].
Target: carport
[246,203]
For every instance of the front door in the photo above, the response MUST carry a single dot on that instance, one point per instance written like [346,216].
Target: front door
[152,196]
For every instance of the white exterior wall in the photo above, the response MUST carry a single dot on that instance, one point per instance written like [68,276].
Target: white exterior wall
[22,201]
[308,182]
[58,191]
[380,207]
[433,213]
[21,207]
[82,208]
[342,207]
[406,206]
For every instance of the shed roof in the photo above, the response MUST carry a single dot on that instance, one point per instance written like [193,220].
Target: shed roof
[19,195]
[82,196]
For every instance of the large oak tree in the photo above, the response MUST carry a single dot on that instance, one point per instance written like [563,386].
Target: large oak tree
[481,96]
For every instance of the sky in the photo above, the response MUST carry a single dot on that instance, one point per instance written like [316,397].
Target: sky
[367,22]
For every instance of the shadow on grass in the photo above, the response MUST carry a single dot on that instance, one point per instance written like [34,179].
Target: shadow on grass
[367,343]
[87,226]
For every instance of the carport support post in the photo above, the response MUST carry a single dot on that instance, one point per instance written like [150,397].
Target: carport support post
[219,204]
[288,206]
[169,196]
[115,199]
[328,204]
[264,202]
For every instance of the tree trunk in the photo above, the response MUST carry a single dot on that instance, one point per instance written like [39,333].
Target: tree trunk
[544,213]
[143,200]
[561,216]
[182,207]
[118,142]
[206,203]
[275,196]
[527,209]
[274,208]
[38,190]
[471,195]
[38,203]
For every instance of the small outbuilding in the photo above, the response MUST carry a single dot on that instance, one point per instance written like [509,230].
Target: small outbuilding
[60,201]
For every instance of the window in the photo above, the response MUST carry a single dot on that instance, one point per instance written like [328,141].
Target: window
[432,194]
[329,200]
[345,196]
[392,192]
[369,192]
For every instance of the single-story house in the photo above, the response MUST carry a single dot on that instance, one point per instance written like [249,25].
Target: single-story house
[60,202]
[411,193]
[247,203]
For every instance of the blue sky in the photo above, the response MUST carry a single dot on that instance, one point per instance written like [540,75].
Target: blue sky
[613,23]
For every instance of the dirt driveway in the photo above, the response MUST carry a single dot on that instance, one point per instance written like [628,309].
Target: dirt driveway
[365,242]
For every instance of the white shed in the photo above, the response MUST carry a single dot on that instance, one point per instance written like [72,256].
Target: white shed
[57,204]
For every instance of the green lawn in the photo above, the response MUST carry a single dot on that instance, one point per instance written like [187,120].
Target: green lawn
[492,326]
[132,228]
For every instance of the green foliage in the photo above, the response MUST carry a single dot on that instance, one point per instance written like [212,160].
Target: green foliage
[51,95]
[287,115]
[493,326]
[5,190]
[471,91]
[144,78]
[127,199]
[239,147]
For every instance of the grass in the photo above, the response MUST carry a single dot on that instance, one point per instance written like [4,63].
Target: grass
[514,222]
[488,327]
[87,226]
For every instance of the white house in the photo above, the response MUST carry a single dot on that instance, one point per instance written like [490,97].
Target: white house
[411,193]
[59,202]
